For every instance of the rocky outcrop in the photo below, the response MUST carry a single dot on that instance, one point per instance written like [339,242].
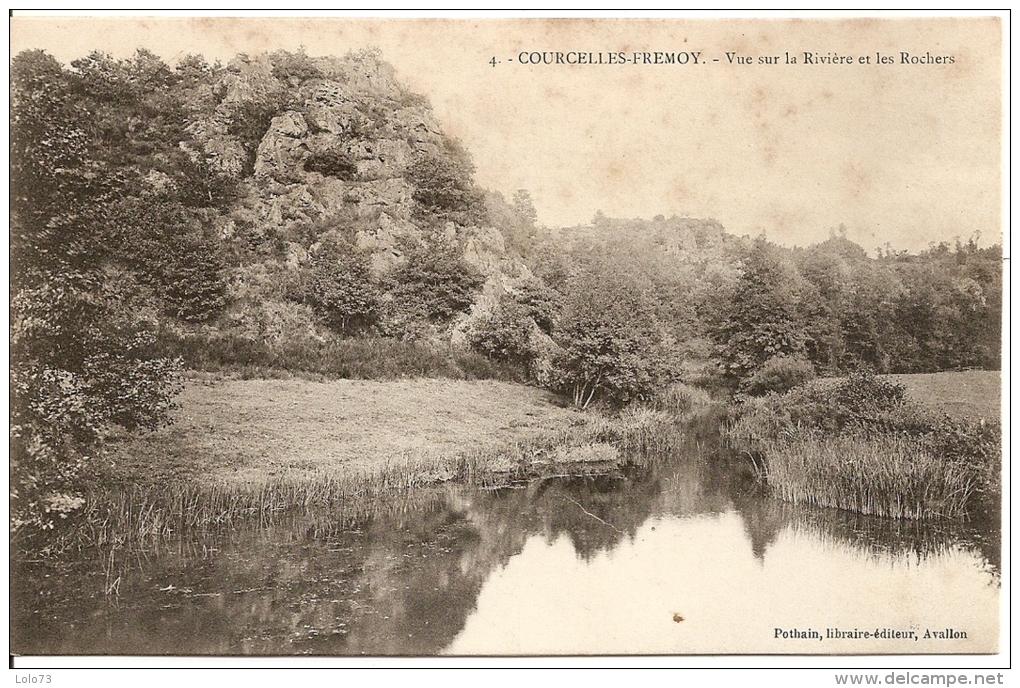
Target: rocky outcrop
[336,162]
[283,150]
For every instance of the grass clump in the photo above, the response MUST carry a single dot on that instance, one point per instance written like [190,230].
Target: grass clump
[779,374]
[888,476]
[859,444]
[682,399]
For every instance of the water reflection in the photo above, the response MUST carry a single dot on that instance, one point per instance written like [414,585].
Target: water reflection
[702,570]
[559,565]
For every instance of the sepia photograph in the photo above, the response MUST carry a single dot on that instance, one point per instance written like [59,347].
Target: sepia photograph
[447,337]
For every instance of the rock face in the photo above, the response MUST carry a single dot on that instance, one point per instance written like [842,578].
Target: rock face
[338,158]
[324,148]
[283,149]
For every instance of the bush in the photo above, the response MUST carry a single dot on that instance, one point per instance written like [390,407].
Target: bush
[295,68]
[863,394]
[779,374]
[614,351]
[443,188]
[433,285]
[858,401]
[79,365]
[362,357]
[541,303]
[166,246]
[341,290]
[504,334]
[332,163]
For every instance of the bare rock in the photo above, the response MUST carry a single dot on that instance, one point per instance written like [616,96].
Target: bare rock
[296,255]
[283,150]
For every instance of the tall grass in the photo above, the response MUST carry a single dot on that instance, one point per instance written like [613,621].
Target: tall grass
[682,399]
[859,444]
[886,476]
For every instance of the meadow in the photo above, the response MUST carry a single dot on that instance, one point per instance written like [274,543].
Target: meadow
[973,394]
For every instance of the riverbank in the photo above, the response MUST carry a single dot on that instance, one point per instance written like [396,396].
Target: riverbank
[243,449]
[924,447]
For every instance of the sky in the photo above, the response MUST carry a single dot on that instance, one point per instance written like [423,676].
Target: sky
[898,154]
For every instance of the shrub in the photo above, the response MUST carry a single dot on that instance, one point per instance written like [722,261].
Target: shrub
[443,186]
[166,246]
[613,349]
[341,290]
[294,68]
[779,374]
[863,394]
[504,334]
[80,363]
[361,357]
[541,303]
[433,285]
[249,122]
[332,163]
[861,400]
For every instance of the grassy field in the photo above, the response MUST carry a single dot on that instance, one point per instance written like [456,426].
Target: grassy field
[973,394]
[249,430]
[244,449]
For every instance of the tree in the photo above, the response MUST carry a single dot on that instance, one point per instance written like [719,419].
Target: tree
[525,208]
[432,285]
[614,350]
[505,333]
[847,306]
[82,355]
[443,186]
[761,319]
[341,289]
[166,246]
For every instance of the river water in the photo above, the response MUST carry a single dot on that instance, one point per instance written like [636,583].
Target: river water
[676,556]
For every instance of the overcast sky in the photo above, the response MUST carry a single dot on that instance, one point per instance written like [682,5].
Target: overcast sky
[901,153]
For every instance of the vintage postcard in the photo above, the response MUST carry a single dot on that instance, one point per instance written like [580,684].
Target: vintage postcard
[460,336]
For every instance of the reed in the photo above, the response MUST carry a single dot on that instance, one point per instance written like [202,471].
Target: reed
[880,475]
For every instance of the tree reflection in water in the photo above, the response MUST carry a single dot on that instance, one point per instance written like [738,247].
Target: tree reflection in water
[401,576]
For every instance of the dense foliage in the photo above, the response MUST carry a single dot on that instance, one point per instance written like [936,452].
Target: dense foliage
[82,355]
[341,289]
[613,349]
[431,286]
[444,191]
